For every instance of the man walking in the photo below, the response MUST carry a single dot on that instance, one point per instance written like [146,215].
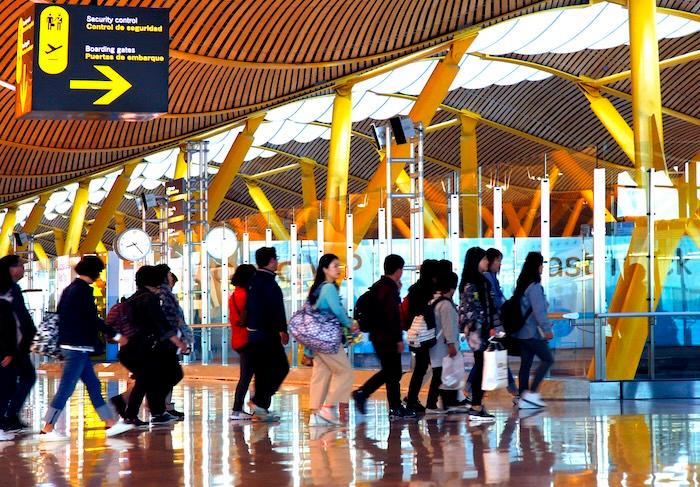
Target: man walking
[387,338]
[267,334]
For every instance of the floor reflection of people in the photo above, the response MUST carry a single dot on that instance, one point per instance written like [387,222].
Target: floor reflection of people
[388,459]
[259,462]
[16,468]
[535,464]
[329,456]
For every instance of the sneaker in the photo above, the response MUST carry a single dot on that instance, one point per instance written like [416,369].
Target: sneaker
[533,398]
[434,411]
[161,419]
[119,404]
[329,415]
[240,416]
[119,427]
[137,423]
[480,416]
[53,435]
[360,399]
[6,436]
[179,415]
[317,419]
[467,401]
[14,425]
[457,410]
[401,413]
[414,405]
[262,415]
[530,417]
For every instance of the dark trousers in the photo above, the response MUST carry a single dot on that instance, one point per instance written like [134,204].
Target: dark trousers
[154,377]
[16,381]
[245,376]
[449,398]
[420,367]
[270,367]
[390,374]
[478,371]
[528,350]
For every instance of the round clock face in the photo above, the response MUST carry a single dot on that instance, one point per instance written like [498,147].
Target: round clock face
[133,244]
[221,242]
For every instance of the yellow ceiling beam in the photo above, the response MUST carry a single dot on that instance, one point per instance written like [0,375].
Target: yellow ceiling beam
[77,219]
[35,216]
[267,210]
[666,63]
[8,226]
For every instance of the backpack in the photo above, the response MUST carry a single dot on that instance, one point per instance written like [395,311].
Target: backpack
[512,316]
[421,334]
[404,312]
[365,308]
[46,338]
[119,317]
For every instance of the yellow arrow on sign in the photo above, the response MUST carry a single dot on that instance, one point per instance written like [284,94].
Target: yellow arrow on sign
[116,85]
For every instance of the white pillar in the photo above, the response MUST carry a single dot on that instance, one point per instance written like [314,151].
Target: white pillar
[544,231]
[498,218]
[454,231]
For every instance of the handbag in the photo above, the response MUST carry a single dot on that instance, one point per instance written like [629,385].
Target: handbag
[495,373]
[46,338]
[453,376]
[317,330]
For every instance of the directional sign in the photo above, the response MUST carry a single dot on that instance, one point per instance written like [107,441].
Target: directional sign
[78,61]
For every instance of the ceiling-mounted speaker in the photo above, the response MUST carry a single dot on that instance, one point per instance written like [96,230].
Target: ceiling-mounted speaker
[403,128]
[379,134]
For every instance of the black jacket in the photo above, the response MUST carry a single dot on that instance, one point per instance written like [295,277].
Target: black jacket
[387,332]
[148,317]
[8,330]
[78,322]
[265,304]
[26,323]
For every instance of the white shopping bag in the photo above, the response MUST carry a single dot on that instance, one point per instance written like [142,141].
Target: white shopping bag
[453,376]
[495,374]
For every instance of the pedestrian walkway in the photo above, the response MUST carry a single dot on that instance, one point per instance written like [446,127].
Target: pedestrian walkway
[571,443]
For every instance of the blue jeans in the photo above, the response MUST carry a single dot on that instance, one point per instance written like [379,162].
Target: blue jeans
[77,366]
[528,350]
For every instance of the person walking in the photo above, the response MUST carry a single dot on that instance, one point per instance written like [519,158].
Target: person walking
[447,343]
[418,297]
[20,368]
[535,332]
[387,338]
[78,328]
[267,334]
[331,378]
[479,320]
[237,313]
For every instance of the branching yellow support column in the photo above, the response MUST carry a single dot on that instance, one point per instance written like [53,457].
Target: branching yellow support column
[119,223]
[537,199]
[8,225]
[267,211]
[231,165]
[513,221]
[433,226]
[107,210]
[309,215]
[77,219]
[468,180]
[611,119]
[423,111]
[181,163]
[339,159]
[32,223]
[59,241]
[573,218]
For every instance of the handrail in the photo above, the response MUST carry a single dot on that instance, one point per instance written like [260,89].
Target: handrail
[209,325]
[646,314]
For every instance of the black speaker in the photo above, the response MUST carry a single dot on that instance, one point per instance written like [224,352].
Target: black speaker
[403,128]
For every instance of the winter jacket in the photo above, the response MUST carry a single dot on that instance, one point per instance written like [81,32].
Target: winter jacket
[148,316]
[477,317]
[8,327]
[266,313]
[26,323]
[79,323]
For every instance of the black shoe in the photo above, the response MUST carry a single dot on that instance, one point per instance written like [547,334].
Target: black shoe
[178,414]
[401,413]
[13,425]
[164,418]
[480,416]
[137,423]
[119,404]
[467,401]
[414,405]
[360,401]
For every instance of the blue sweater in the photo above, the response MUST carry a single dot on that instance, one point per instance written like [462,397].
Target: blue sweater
[329,300]
[534,296]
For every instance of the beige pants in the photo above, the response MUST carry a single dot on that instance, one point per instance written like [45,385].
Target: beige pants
[331,379]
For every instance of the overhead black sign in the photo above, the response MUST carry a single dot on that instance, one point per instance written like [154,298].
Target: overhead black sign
[92,62]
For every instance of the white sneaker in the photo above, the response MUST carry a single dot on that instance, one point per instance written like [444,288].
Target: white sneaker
[329,415]
[532,398]
[316,419]
[53,435]
[118,428]
[240,416]
[6,436]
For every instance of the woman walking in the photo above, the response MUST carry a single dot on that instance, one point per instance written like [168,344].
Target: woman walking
[535,333]
[239,337]
[331,378]
[479,320]
[77,336]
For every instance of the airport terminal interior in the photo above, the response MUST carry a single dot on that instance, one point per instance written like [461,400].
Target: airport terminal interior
[196,133]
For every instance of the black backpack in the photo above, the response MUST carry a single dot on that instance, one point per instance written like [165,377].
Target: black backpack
[365,308]
[512,317]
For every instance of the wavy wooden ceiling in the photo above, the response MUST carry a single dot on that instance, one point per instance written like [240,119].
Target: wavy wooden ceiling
[233,58]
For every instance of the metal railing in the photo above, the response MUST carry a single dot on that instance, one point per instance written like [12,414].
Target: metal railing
[600,321]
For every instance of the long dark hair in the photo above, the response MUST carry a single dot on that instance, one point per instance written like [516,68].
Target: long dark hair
[243,275]
[6,280]
[470,271]
[530,272]
[323,263]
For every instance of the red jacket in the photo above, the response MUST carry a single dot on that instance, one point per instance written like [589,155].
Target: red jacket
[237,317]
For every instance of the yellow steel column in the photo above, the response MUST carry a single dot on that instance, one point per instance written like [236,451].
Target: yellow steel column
[309,215]
[513,221]
[423,111]
[339,159]
[8,226]
[573,218]
[181,163]
[434,228]
[77,219]
[537,199]
[611,119]
[119,223]
[35,216]
[646,84]
[107,210]
[59,240]
[468,180]
[231,165]
[267,211]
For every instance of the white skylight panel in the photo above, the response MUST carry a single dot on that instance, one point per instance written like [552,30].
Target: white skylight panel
[363,104]
[96,196]
[156,170]
[287,132]
[284,112]
[391,107]
[311,133]
[492,74]
[312,109]
[266,131]
[371,83]
[252,153]
[669,25]
[109,180]
[401,78]
[417,86]
[592,25]
[95,184]
[138,170]
[150,184]
[162,155]
[521,73]
[64,207]
[134,184]
[550,33]
[492,36]
[688,28]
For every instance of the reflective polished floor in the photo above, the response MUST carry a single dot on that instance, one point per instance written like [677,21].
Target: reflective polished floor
[570,444]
